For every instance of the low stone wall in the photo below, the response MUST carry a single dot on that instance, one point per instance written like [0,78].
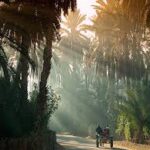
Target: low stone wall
[42,142]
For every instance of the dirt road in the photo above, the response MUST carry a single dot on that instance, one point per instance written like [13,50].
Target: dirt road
[70,142]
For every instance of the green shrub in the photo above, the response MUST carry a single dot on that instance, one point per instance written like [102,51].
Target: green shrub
[18,115]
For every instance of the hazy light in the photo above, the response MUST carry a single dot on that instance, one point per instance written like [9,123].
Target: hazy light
[86,7]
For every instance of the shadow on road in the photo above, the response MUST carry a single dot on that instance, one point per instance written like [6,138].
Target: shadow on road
[70,142]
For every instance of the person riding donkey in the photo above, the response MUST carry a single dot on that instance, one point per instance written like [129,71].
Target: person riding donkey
[103,136]
[99,133]
[99,130]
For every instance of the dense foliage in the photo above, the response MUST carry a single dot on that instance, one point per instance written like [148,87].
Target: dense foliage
[18,115]
[134,118]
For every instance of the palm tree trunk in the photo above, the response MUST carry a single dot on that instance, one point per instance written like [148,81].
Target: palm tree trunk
[42,97]
[4,65]
[140,135]
[25,68]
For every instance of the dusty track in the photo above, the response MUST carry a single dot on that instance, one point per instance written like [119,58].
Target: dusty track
[70,142]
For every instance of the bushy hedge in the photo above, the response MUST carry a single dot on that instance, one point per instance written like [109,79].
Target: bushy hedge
[18,115]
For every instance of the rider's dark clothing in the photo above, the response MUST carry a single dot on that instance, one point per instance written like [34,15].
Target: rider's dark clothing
[99,130]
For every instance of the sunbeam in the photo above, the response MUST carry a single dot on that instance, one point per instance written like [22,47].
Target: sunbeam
[85,7]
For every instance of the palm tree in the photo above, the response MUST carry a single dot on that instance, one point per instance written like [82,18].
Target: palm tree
[119,41]
[39,19]
[73,40]
[141,7]
[4,64]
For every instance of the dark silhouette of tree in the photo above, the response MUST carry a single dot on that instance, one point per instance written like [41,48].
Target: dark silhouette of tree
[38,21]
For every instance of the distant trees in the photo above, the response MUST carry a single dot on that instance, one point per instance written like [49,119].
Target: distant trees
[73,40]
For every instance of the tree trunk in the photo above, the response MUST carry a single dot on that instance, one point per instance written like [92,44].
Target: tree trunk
[23,66]
[140,138]
[4,65]
[42,97]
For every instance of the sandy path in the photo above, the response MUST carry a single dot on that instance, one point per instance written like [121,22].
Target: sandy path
[70,142]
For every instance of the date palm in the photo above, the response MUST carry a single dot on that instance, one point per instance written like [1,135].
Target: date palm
[119,41]
[3,64]
[73,40]
[141,7]
[73,43]
[38,21]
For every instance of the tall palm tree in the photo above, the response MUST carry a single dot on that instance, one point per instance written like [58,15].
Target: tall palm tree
[39,19]
[81,44]
[73,40]
[141,7]
[119,41]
